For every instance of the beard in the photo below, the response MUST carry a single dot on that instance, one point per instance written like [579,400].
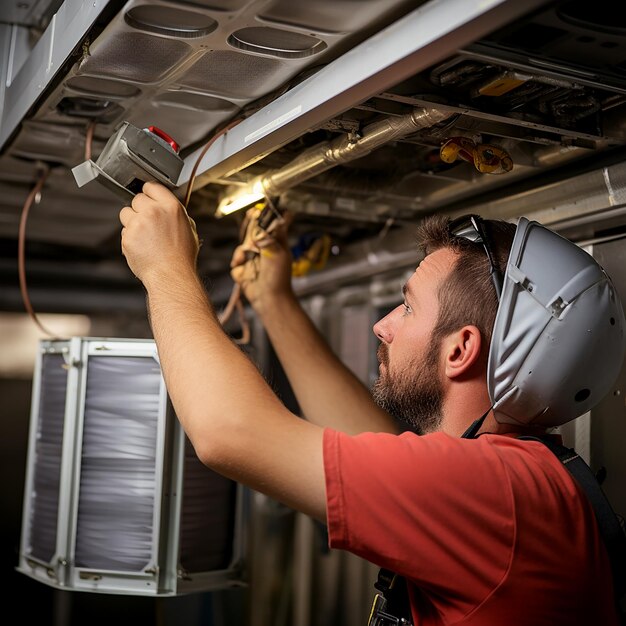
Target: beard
[413,396]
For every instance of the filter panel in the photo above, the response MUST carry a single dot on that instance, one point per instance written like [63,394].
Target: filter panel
[44,497]
[118,479]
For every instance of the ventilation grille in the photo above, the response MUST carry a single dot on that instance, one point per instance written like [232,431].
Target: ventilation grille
[206,532]
[118,463]
[135,56]
[45,494]
[233,74]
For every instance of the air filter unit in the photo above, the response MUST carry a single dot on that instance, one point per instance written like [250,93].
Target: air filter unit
[115,500]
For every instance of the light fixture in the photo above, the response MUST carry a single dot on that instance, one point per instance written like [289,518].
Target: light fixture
[239,198]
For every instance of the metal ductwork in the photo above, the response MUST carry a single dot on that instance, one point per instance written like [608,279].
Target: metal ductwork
[349,147]
[329,154]
[333,105]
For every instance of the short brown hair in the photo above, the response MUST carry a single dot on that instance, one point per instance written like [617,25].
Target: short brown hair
[467,296]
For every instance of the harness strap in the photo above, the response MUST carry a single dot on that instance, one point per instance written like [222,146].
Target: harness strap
[391,607]
[610,524]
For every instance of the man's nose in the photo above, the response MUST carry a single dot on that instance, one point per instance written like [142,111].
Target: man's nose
[383,328]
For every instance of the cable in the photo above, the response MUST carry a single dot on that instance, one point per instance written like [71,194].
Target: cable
[234,302]
[235,294]
[34,194]
[246,232]
[89,139]
[211,141]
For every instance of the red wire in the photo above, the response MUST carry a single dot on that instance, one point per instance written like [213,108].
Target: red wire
[211,141]
[89,139]
[234,302]
[21,247]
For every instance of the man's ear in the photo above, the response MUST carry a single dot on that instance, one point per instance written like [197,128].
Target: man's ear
[461,350]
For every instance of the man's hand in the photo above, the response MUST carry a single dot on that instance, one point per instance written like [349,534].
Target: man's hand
[264,272]
[159,239]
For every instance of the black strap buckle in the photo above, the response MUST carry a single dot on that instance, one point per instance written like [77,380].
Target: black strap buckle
[380,617]
[391,602]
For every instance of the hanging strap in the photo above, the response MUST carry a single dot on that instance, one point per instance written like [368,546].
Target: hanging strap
[472,431]
[391,606]
[610,524]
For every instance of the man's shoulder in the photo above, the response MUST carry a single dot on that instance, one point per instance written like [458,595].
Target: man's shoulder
[493,452]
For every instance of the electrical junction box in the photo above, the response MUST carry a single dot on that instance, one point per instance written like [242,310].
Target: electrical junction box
[116,500]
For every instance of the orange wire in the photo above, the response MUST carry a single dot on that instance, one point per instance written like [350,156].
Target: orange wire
[235,294]
[234,302]
[21,247]
[211,141]
[89,139]
[245,327]
[21,242]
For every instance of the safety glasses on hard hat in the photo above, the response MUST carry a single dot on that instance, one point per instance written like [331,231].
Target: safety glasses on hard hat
[473,228]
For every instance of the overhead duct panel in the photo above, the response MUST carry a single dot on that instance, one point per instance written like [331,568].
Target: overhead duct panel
[116,501]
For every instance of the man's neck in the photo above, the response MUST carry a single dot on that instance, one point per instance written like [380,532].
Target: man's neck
[456,427]
[491,425]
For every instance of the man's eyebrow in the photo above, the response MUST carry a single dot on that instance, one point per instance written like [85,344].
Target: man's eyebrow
[405,290]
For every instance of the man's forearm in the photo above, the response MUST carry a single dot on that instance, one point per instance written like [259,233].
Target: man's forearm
[201,365]
[226,407]
[328,393]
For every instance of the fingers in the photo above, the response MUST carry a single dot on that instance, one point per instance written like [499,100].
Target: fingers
[153,195]
[239,256]
[245,273]
[158,192]
[282,228]
[236,273]
[126,215]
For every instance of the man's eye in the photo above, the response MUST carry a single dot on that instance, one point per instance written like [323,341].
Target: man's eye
[407,308]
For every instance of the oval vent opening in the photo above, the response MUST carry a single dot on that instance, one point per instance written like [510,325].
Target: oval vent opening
[169,21]
[582,395]
[284,44]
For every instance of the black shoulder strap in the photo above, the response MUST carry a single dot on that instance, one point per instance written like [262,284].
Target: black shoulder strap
[391,606]
[610,524]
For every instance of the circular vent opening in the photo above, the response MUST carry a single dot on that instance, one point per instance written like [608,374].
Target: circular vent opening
[279,43]
[604,16]
[169,21]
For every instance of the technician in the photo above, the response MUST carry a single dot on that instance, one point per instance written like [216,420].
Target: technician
[486,528]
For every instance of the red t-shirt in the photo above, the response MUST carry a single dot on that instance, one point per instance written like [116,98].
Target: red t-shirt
[490,531]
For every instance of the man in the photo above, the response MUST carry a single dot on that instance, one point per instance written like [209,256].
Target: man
[486,530]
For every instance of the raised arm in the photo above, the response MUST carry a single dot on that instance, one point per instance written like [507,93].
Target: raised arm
[328,393]
[236,424]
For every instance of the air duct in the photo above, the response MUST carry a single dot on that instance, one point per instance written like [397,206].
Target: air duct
[328,154]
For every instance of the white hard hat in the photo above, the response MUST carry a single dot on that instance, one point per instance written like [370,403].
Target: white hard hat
[558,341]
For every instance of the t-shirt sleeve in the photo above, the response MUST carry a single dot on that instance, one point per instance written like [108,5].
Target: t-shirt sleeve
[435,509]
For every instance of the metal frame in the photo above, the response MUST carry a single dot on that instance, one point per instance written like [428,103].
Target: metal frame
[423,37]
[52,572]
[173,578]
[66,29]
[92,579]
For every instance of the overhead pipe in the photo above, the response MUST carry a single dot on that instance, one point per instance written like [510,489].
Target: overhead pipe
[329,154]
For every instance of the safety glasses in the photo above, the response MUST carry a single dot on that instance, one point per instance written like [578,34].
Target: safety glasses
[472,228]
